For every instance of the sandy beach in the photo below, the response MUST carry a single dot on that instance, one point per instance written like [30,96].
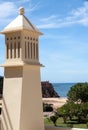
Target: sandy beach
[57,102]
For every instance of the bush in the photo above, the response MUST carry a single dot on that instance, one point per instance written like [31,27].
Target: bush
[78,93]
[70,125]
[54,119]
[77,104]
[47,107]
[87,124]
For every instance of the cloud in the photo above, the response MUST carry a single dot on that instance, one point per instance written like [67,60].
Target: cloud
[23,1]
[54,37]
[34,7]
[9,9]
[77,16]
[30,7]
[52,17]
[7,15]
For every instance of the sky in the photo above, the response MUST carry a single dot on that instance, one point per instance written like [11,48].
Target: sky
[63,48]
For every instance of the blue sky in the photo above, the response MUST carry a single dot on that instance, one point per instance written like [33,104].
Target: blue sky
[64,45]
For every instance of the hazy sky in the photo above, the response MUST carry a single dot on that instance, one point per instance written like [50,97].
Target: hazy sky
[64,45]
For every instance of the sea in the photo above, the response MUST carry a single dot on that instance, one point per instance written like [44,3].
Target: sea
[62,88]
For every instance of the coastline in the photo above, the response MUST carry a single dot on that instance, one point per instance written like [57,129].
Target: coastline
[56,102]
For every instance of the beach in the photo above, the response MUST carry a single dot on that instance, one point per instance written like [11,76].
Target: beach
[56,102]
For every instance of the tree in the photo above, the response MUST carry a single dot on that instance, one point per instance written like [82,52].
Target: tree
[54,119]
[64,112]
[78,93]
[73,111]
[76,106]
[78,96]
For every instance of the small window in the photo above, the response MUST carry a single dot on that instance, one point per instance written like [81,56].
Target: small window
[11,50]
[30,38]
[37,51]
[25,50]
[34,49]
[18,49]
[7,50]
[11,38]
[33,39]
[28,50]
[15,50]
[36,39]
[18,37]
[7,38]
[14,37]
[31,50]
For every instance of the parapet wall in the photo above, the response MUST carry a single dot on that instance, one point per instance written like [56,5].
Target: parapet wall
[61,128]
[55,128]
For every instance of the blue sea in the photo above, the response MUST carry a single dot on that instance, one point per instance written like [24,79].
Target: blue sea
[62,88]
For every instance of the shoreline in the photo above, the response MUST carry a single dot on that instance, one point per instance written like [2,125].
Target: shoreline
[56,102]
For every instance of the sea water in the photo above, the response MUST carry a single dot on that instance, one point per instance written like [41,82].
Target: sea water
[62,88]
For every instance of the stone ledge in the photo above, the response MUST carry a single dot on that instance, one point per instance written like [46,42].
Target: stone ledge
[61,128]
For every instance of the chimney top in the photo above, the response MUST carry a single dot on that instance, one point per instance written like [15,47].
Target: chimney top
[21,11]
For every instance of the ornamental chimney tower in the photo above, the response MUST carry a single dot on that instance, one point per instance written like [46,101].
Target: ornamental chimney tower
[22,98]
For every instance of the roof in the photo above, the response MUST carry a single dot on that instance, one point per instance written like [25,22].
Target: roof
[20,23]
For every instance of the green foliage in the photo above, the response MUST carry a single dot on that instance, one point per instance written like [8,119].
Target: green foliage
[75,111]
[54,119]
[66,111]
[77,104]
[78,100]
[78,93]
[70,125]
[60,123]
[87,124]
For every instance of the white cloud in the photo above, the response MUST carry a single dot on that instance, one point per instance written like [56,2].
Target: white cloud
[77,16]
[30,7]
[58,37]
[23,1]
[34,7]
[7,12]
[52,17]
[9,9]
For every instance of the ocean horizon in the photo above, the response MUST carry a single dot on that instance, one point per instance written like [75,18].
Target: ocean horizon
[62,88]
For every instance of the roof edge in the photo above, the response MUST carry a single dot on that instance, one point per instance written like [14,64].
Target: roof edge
[19,29]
